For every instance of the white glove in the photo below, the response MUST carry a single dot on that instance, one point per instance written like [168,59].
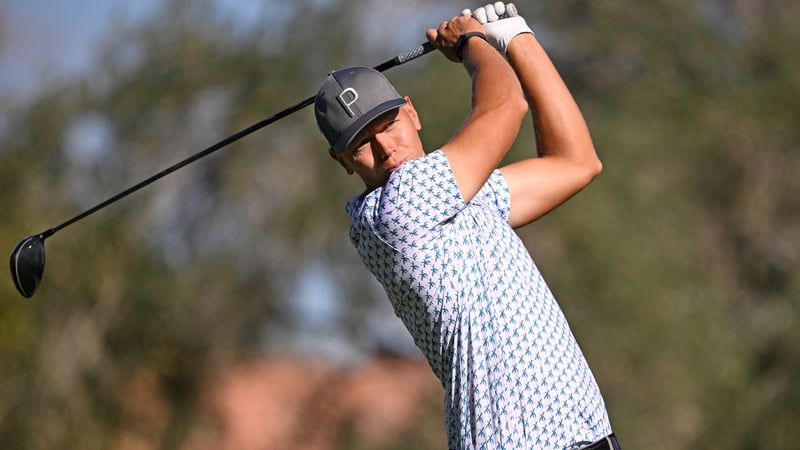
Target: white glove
[500,23]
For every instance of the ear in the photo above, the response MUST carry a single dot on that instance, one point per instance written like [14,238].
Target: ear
[338,158]
[412,112]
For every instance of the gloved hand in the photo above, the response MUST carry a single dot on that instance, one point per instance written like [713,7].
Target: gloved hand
[500,23]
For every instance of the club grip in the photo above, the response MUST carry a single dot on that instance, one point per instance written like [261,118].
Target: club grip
[415,52]
[405,57]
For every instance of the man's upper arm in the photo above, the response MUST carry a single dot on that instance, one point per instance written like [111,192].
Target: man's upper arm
[498,107]
[477,148]
[539,185]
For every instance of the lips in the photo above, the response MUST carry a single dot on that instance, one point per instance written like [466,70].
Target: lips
[391,168]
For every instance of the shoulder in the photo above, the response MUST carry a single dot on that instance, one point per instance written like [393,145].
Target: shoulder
[419,196]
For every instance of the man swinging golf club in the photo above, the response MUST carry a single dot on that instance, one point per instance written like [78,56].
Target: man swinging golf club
[436,229]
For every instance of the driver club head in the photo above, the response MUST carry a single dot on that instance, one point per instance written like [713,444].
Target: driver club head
[27,264]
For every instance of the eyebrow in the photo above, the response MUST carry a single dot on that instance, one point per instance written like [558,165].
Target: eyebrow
[385,117]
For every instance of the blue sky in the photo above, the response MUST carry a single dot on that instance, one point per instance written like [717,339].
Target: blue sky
[42,40]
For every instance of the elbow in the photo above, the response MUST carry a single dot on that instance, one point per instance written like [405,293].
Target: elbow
[596,167]
[514,108]
[591,166]
[511,106]
[519,107]
[586,172]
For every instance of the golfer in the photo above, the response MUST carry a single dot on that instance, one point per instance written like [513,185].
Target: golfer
[436,229]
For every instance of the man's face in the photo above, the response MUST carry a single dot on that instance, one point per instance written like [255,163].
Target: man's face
[383,145]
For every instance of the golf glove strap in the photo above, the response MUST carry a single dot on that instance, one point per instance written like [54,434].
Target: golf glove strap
[500,23]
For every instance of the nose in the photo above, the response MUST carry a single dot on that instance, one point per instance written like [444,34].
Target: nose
[382,146]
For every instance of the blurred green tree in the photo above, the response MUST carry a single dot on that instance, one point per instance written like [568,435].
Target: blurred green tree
[678,268]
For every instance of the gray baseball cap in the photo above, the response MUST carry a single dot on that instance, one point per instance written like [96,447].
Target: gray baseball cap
[349,100]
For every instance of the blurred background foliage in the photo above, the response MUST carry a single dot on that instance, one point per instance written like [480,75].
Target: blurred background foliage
[678,268]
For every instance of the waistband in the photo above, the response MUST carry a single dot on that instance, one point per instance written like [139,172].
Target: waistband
[609,442]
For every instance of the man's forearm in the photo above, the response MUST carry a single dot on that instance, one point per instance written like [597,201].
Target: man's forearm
[498,107]
[559,125]
[493,83]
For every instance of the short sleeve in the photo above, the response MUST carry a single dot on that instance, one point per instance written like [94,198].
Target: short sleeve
[495,195]
[420,195]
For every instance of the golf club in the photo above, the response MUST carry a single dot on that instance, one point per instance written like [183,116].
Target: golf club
[28,257]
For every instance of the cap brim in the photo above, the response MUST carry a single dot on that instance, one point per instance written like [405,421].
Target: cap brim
[363,121]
